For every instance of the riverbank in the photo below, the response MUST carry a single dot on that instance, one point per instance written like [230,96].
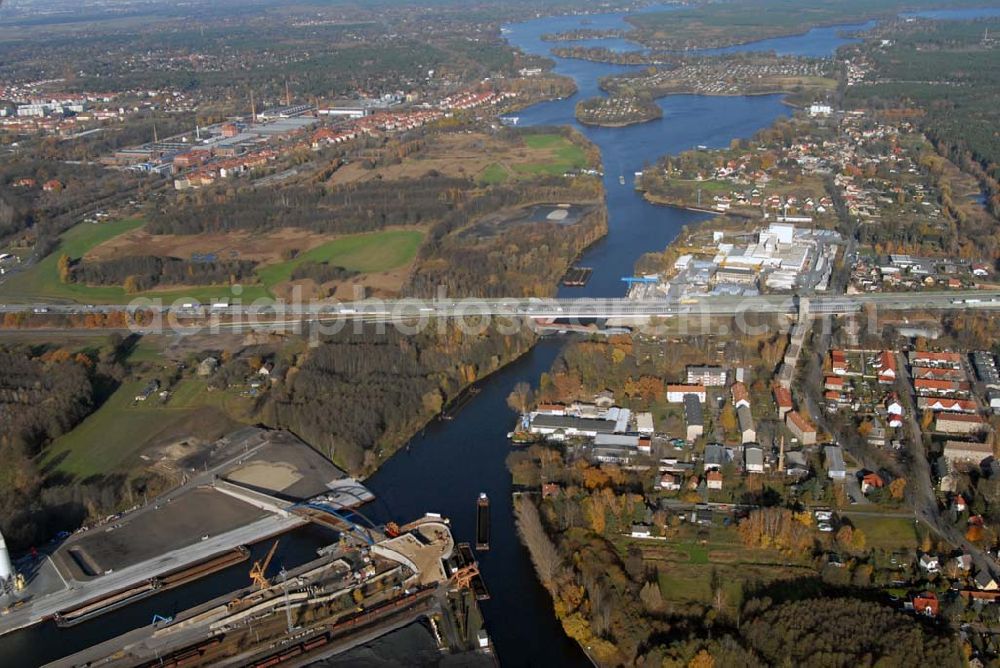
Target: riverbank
[674,204]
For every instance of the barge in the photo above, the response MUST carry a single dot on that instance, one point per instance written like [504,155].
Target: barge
[483,522]
[577,277]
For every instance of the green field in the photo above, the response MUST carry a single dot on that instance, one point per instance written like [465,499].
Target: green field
[887,533]
[41,282]
[110,439]
[364,253]
[567,156]
[493,175]
[378,251]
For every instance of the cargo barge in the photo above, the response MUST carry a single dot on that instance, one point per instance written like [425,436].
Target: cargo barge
[95,607]
[452,409]
[483,522]
[577,277]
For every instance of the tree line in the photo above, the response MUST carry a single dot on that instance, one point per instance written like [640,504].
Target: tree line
[360,395]
[145,272]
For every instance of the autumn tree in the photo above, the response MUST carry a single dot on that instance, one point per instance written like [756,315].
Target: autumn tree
[897,488]
[728,418]
[64,264]
[520,398]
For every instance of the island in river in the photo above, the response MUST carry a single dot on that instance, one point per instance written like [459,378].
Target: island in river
[617,111]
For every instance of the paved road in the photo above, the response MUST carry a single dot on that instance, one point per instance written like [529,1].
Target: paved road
[409,309]
[920,489]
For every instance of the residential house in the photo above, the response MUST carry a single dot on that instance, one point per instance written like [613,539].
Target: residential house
[929,563]
[741,395]
[877,434]
[801,427]
[783,399]
[702,516]
[670,482]
[937,404]
[693,416]
[945,388]
[676,393]
[709,376]
[146,392]
[926,604]
[871,480]
[796,464]
[966,452]
[835,467]
[960,423]
[835,383]
[753,459]
[984,581]
[713,479]
[716,456]
[886,365]
[641,531]
[894,412]
[748,432]
[934,373]
[838,362]
[944,360]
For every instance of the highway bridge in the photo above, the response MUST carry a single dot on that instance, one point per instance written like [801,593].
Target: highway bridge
[400,310]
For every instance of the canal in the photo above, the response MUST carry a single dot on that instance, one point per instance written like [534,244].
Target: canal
[445,467]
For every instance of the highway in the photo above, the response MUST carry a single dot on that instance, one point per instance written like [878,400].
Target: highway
[400,310]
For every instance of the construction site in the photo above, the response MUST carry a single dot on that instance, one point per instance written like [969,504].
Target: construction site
[252,486]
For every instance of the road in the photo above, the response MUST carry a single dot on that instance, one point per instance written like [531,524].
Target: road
[920,487]
[390,310]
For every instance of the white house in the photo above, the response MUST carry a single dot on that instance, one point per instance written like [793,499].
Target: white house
[641,531]
[670,482]
[929,563]
[675,393]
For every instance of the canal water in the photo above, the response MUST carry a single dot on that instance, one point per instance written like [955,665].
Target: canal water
[445,467]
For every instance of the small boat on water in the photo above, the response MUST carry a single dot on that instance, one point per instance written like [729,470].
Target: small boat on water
[621,179]
[483,522]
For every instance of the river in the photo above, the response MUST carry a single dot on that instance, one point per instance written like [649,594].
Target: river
[444,468]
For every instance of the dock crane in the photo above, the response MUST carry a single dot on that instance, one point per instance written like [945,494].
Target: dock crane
[260,567]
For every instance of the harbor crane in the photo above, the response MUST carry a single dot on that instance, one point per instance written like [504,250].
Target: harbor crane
[260,567]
